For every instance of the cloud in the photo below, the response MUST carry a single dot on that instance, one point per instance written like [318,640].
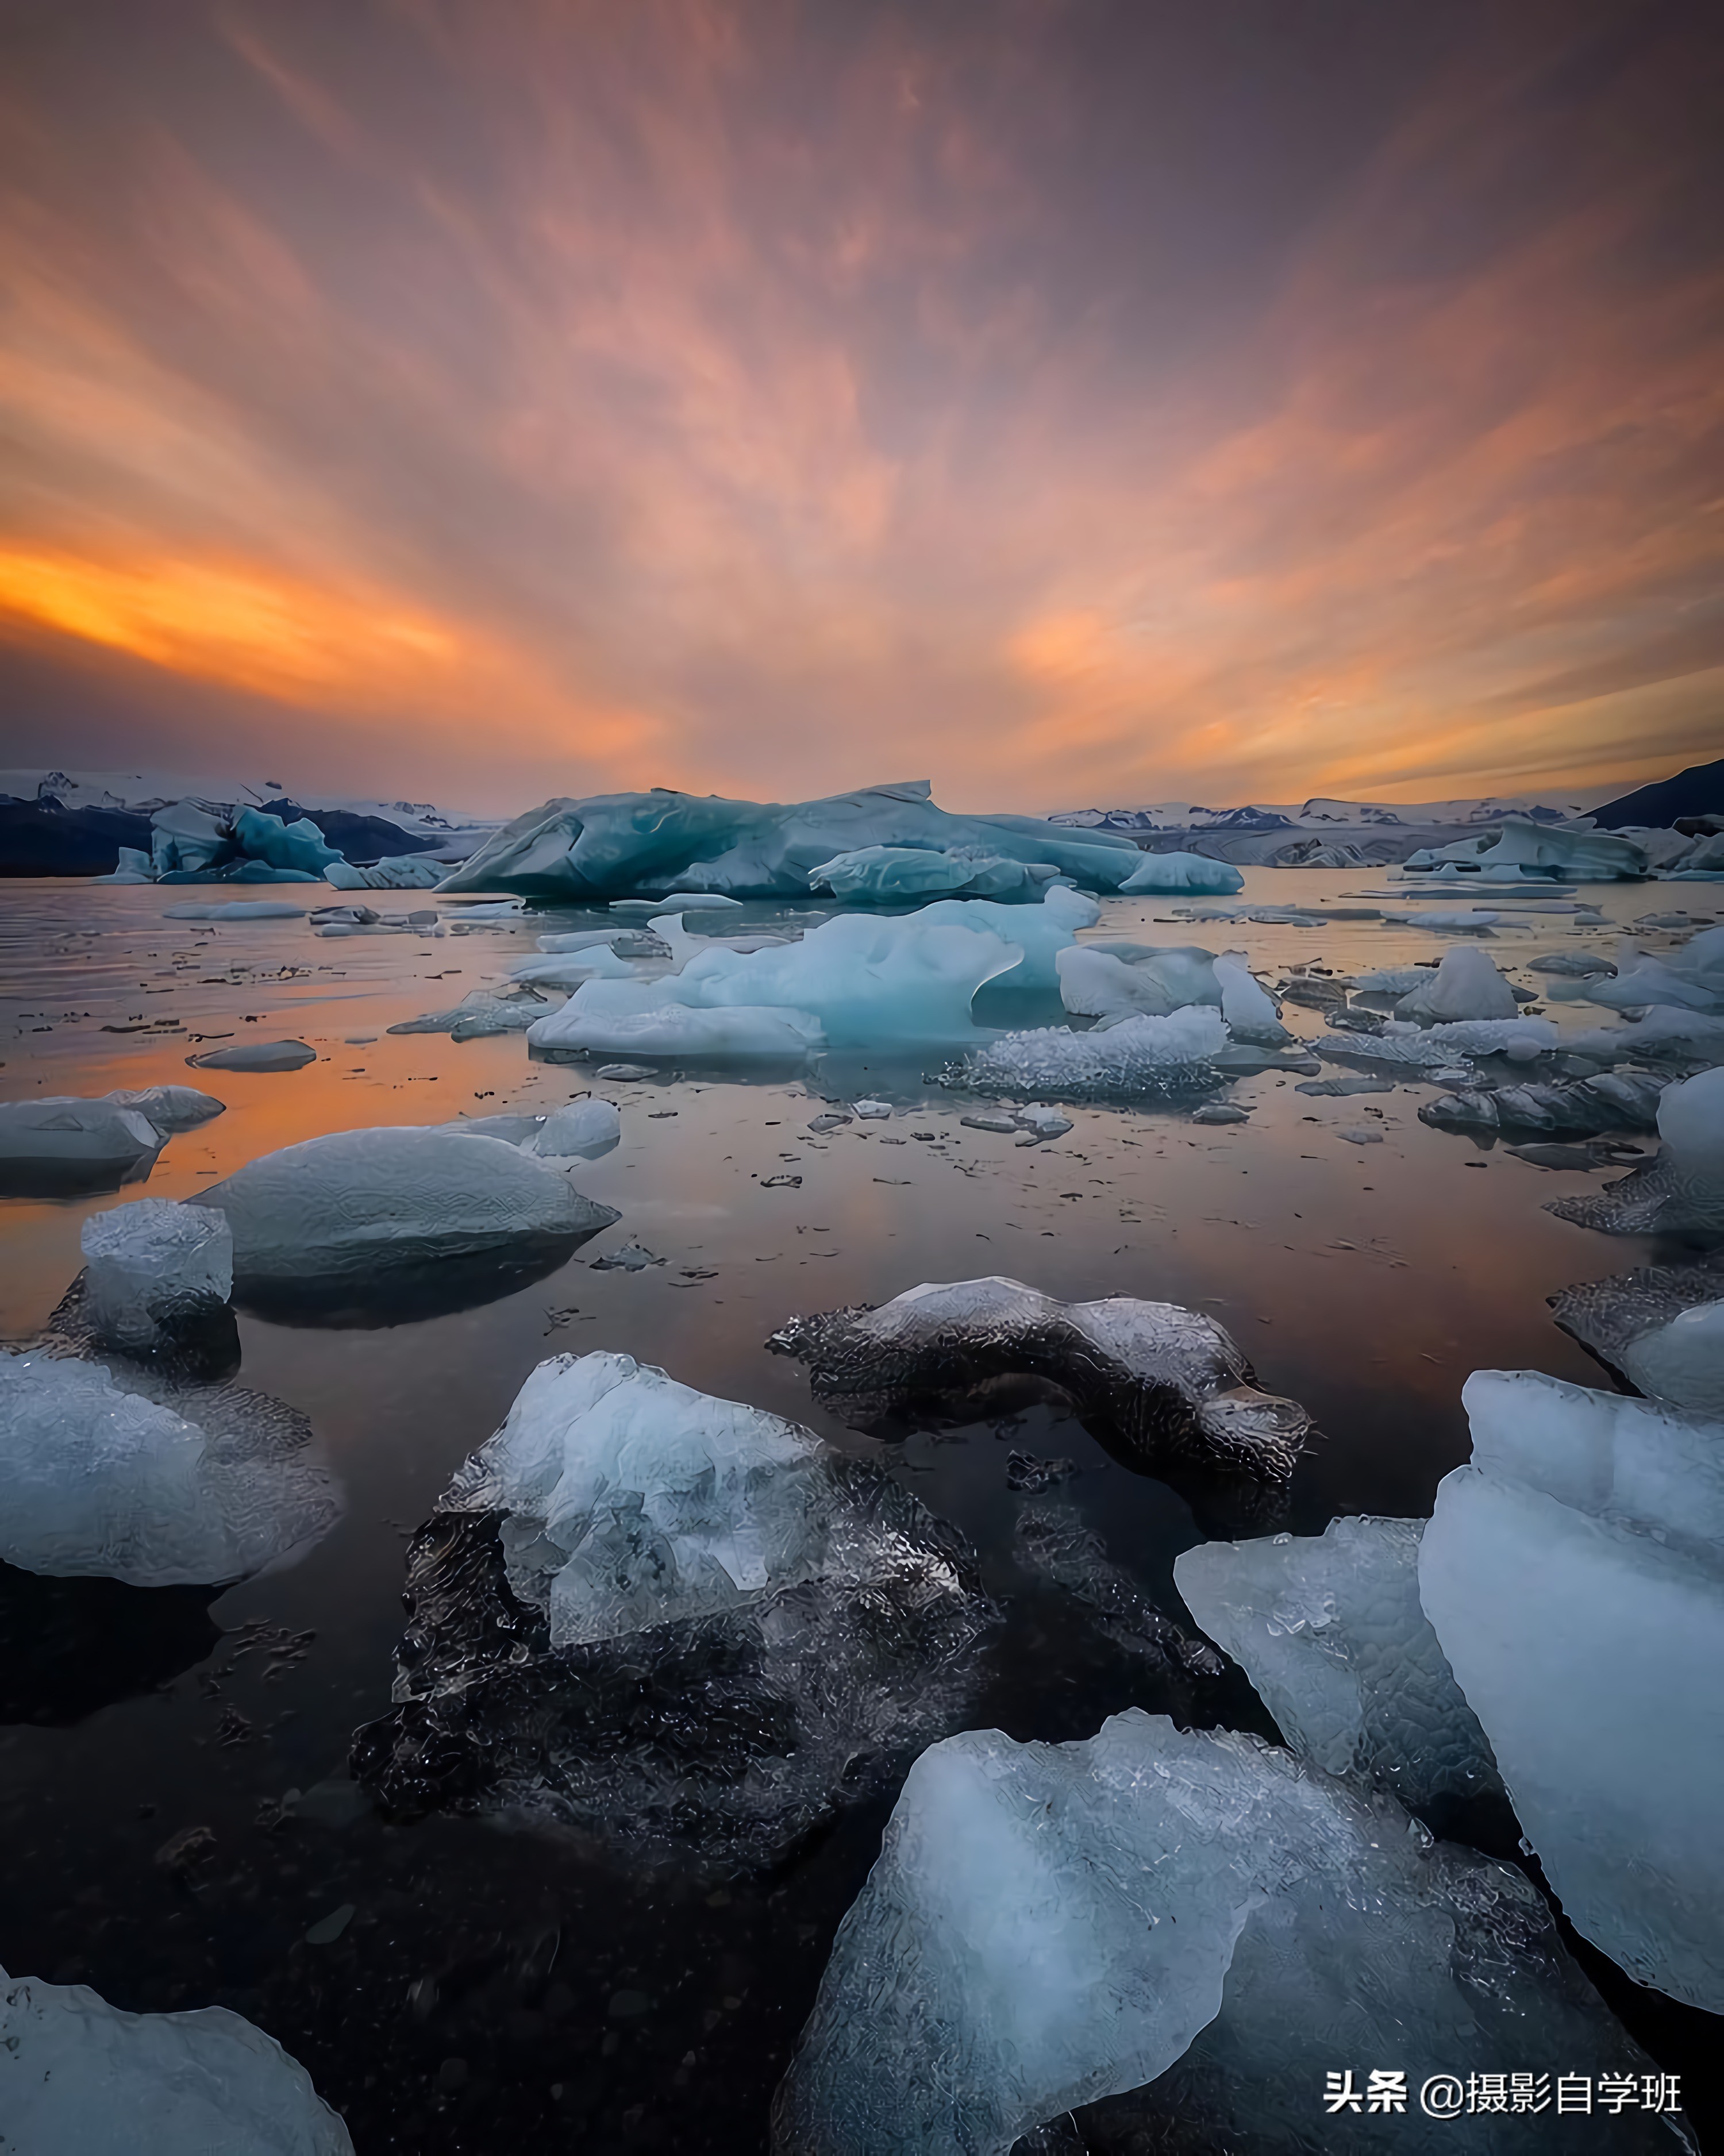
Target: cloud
[770,397]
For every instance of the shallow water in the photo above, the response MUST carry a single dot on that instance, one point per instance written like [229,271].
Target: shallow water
[497,1986]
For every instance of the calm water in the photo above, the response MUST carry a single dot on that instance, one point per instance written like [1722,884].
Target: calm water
[472,2002]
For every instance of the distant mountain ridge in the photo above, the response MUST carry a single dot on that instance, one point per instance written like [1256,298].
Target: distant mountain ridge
[1325,813]
[1699,791]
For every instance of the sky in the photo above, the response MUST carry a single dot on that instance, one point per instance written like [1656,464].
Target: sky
[1073,401]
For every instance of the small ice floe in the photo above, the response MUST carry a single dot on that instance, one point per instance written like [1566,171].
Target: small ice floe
[63,1146]
[256,1055]
[154,1271]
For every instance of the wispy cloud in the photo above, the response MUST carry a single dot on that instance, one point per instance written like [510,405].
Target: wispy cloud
[771,397]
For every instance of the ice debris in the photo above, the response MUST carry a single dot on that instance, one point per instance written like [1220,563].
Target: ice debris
[256,1055]
[673,1618]
[1330,1631]
[1574,1574]
[154,1270]
[79,2077]
[1661,1326]
[1576,1108]
[103,1479]
[1138,1059]
[351,1214]
[480,1014]
[1681,1191]
[1048,1925]
[1170,1384]
[583,1131]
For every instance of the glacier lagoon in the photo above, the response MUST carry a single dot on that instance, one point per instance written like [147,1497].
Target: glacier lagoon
[177,1796]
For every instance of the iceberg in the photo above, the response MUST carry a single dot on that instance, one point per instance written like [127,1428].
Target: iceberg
[1168,1383]
[256,1055]
[1181,872]
[103,1479]
[1330,1631]
[583,1131]
[568,969]
[170,1108]
[154,1270]
[1138,1059]
[1661,1326]
[670,1618]
[1574,1574]
[79,2077]
[1465,985]
[62,1145]
[364,1217]
[1681,1191]
[1666,1035]
[1049,1925]
[1569,1108]
[1522,847]
[884,873]
[621,845]
[680,1031]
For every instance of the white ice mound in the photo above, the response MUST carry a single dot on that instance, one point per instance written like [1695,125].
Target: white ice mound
[1139,1059]
[1522,847]
[634,1500]
[1164,872]
[1051,1924]
[79,2077]
[1465,985]
[861,980]
[582,1131]
[622,844]
[152,1267]
[102,1482]
[1574,1574]
[738,1033]
[345,1205]
[1330,1630]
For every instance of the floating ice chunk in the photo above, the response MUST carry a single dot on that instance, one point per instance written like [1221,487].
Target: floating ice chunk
[1246,1005]
[79,2077]
[582,1131]
[1330,1630]
[1050,1924]
[60,1146]
[1043,1123]
[1630,1321]
[873,1112]
[1576,965]
[1664,1034]
[1681,1192]
[480,1013]
[133,866]
[698,901]
[1584,1107]
[348,1211]
[681,1030]
[670,1617]
[283,845]
[1574,1574]
[394,872]
[1170,1385]
[153,1270]
[568,969]
[240,909]
[1465,985]
[1194,872]
[170,1108]
[1139,1059]
[1040,931]
[108,1481]
[1095,984]
[489,909]
[256,1055]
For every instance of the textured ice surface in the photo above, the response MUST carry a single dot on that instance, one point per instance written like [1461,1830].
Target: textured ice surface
[256,1055]
[1465,985]
[900,872]
[480,1013]
[170,1108]
[611,845]
[1664,1035]
[65,1142]
[1445,1045]
[1681,1192]
[360,1203]
[1584,1107]
[394,872]
[78,2077]
[582,1131]
[678,1030]
[1048,1925]
[1646,982]
[1630,1320]
[1330,1630]
[672,1617]
[1138,1059]
[153,1268]
[1054,1543]
[1171,1384]
[570,969]
[1574,1574]
[104,1479]
[1197,872]
[1520,845]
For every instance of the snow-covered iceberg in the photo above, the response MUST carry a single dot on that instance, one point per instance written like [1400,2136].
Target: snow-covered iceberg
[622,844]
[1141,1058]
[364,1219]
[1048,1925]
[154,1270]
[1574,1574]
[671,1617]
[106,1477]
[1181,872]
[1330,1631]
[1169,1384]
[79,2077]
